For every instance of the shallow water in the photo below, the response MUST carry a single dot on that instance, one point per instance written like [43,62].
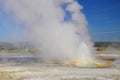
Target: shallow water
[18,61]
[36,61]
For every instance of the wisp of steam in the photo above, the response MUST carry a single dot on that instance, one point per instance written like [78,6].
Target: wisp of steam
[56,28]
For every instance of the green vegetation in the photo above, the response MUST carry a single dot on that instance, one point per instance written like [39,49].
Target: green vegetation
[26,47]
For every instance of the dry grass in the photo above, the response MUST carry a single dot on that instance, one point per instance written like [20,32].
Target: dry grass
[8,76]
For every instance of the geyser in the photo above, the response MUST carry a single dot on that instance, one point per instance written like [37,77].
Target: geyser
[57,36]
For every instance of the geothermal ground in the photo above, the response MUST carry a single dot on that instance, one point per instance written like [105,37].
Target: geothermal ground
[26,68]
[38,71]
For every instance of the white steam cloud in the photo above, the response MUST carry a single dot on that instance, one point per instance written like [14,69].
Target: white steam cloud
[55,38]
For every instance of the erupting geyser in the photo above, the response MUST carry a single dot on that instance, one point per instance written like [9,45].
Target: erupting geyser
[57,28]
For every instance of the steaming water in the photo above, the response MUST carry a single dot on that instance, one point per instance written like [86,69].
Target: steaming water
[86,56]
[47,28]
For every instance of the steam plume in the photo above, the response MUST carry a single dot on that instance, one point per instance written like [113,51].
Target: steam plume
[46,28]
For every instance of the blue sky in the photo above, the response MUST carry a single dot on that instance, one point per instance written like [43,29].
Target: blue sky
[103,21]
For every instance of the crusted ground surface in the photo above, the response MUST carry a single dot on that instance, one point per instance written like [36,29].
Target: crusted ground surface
[48,72]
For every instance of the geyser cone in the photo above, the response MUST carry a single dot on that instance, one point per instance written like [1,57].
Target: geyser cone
[82,64]
[92,64]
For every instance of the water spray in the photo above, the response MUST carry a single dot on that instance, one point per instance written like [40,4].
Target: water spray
[55,38]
